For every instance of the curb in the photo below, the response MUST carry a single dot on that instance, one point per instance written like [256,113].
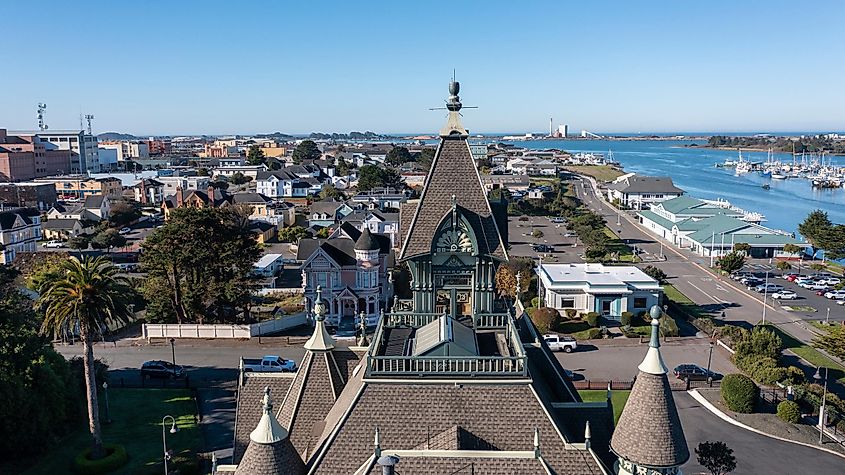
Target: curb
[721,415]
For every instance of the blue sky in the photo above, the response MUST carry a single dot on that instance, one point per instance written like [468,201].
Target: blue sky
[161,67]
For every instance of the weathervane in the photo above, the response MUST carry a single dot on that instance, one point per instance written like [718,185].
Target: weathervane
[453,125]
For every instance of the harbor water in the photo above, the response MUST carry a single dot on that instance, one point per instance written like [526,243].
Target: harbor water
[785,204]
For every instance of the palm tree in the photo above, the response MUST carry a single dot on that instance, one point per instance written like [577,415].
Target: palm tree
[85,295]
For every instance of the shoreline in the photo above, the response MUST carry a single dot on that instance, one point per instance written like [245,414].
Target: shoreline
[746,149]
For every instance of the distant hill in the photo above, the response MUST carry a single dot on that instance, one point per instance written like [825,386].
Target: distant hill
[274,135]
[116,136]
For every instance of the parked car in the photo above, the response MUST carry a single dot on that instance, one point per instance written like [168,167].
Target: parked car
[787,276]
[805,282]
[741,275]
[161,369]
[560,342]
[785,295]
[793,277]
[835,294]
[818,286]
[768,288]
[53,244]
[127,266]
[543,248]
[830,281]
[694,372]
[752,282]
[268,364]
[125,230]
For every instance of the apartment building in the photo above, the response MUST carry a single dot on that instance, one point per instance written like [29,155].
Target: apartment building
[84,154]
[20,229]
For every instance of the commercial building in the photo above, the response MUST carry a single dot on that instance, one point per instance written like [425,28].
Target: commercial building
[41,196]
[80,186]
[84,153]
[607,290]
[126,150]
[24,157]
[711,230]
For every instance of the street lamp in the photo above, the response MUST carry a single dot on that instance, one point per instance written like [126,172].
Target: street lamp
[818,377]
[709,359]
[173,430]
[106,394]
[765,294]
[173,350]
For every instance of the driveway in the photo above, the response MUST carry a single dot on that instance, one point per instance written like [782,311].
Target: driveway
[755,454]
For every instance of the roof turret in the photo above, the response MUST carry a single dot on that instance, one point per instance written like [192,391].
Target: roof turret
[649,432]
[270,451]
[366,241]
[320,340]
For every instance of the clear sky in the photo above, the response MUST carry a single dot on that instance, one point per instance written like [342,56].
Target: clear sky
[187,67]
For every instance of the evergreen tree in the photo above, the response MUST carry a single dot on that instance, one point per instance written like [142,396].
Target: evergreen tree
[306,150]
[254,155]
[814,227]
[716,457]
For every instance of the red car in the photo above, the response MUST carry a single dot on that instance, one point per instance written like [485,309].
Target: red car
[792,277]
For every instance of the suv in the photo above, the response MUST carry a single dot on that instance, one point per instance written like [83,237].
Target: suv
[161,369]
[560,342]
[694,372]
[768,288]
[835,294]
[784,295]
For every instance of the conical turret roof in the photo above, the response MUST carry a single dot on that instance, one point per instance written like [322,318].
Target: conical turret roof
[270,451]
[366,241]
[649,431]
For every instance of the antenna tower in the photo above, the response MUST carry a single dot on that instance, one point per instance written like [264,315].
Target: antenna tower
[42,110]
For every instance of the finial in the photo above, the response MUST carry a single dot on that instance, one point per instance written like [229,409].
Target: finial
[588,434]
[653,361]
[536,442]
[609,391]
[320,340]
[268,429]
[518,284]
[377,443]
[268,404]
[319,308]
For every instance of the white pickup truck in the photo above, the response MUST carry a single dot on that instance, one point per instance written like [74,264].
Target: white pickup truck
[560,342]
[268,364]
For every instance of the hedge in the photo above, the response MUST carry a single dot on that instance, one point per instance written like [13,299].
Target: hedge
[592,319]
[739,393]
[789,411]
[116,457]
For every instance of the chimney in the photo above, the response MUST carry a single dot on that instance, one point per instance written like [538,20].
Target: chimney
[143,191]
[179,202]
[388,464]
[210,191]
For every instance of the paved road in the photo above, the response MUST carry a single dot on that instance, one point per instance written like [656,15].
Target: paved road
[689,274]
[603,362]
[755,454]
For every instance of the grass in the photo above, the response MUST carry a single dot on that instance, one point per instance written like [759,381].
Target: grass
[811,355]
[136,424]
[616,245]
[617,398]
[683,302]
[599,172]
[573,326]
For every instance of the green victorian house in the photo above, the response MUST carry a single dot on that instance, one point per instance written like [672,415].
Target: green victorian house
[453,238]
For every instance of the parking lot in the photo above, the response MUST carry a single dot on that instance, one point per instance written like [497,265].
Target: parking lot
[807,306]
[564,243]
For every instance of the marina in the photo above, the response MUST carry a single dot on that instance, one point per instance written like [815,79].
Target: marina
[785,201]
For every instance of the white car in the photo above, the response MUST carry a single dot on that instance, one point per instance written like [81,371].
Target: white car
[830,281]
[785,295]
[835,294]
[818,286]
[54,244]
[125,230]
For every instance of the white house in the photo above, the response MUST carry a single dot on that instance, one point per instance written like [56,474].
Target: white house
[269,265]
[20,228]
[607,290]
[281,184]
[640,192]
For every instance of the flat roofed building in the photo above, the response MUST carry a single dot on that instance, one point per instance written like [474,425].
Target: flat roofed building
[588,287]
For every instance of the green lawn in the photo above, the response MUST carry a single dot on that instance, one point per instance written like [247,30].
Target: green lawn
[599,172]
[617,245]
[618,398]
[687,306]
[136,415]
[812,355]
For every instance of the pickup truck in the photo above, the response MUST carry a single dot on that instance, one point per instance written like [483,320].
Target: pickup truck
[560,342]
[268,364]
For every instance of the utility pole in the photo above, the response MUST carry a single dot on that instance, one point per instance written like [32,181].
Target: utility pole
[765,293]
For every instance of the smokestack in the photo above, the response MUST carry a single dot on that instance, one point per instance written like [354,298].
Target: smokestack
[388,464]
[551,127]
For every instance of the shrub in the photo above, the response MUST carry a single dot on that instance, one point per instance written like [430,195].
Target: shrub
[788,411]
[655,273]
[535,302]
[762,369]
[588,334]
[739,393]
[761,342]
[116,457]
[571,313]
[668,326]
[545,319]
[625,319]
[592,319]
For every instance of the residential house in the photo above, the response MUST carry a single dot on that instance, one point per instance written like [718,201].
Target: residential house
[98,205]
[262,208]
[66,228]
[378,222]
[245,170]
[607,290]
[264,231]
[640,192]
[149,191]
[381,198]
[211,197]
[20,229]
[352,270]
[184,182]
[509,182]
[542,167]
[281,184]
[327,212]
[268,265]
[76,211]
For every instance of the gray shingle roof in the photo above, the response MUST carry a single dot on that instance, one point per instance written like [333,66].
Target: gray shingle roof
[649,430]
[453,173]
[249,405]
[646,184]
[278,458]
[366,242]
[459,465]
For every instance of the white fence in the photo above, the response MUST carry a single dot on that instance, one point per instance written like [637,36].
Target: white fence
[156,330]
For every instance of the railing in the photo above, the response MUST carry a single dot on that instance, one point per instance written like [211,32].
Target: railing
[415,320]
[447,366]
[492,320]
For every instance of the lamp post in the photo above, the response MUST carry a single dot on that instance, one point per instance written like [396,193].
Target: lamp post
[818,378]
[710,359]
[106,395]
[173,350]
[173,430]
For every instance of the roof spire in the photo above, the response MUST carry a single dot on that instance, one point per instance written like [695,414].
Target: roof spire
[536,442]
[653,361]
[320,340]
[268,429]
[453,125]
[588,435]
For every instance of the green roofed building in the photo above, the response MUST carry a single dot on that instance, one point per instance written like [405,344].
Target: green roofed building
[713,229]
